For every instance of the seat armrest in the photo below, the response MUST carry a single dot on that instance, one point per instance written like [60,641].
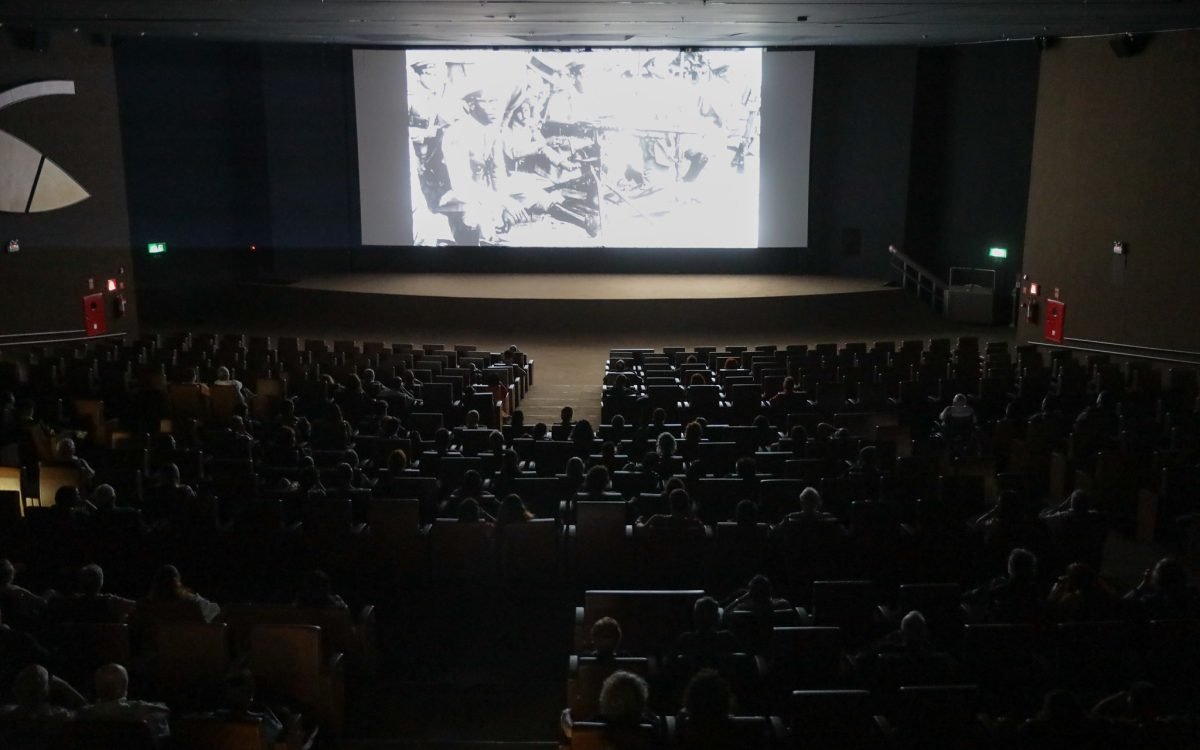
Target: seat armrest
[885,727]
[581,630]
[779,731]
[572,666]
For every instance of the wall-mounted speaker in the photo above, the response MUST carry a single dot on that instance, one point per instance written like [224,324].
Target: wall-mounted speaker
[1128,45]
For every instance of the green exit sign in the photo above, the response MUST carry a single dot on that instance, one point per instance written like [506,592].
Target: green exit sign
[998,252]
[156,248]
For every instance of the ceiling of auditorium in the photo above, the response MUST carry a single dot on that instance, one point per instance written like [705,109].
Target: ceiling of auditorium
[606,22]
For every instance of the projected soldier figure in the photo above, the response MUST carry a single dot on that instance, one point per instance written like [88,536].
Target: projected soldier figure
[635,148]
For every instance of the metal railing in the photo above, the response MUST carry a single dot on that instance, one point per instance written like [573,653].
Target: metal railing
[911,275]
[1132,351]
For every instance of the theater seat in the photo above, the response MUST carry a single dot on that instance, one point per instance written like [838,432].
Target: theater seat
[586,675]
[89,734]
[288,661]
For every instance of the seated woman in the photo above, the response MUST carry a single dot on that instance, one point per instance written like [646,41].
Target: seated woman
[168,601]
[471,488]
[706,720]
[512,510]
[624,712]
[681,519]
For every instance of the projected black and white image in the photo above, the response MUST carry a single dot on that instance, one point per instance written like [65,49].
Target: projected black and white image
[620,147]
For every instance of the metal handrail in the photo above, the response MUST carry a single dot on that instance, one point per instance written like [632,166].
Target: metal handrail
[67,340]
[1093,342]
[915,276]
[1131,355]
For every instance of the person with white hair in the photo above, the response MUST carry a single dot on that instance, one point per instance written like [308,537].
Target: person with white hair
[113,704]
[225,378]
[65,455]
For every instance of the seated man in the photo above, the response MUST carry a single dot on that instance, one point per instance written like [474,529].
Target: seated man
[18,650]
[112,703]
[708,641]
[22,608]
[44,703]
[682,517]
[89,605]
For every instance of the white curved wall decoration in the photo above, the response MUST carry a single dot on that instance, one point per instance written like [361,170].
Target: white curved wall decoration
[29,182]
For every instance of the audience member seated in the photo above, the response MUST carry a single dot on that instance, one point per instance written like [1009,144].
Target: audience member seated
[757,597]
[113,704]
[512,510]
[910,641]
[1164,593]
[624,711]
[469,512]
[958,425]
[1079,595]
[562,429]
[604,639]
[168,601]
[708,641]
[90,604]
[706,721]
[18,650]
[1061,723]
[1018,598]
[787,400]
[504,478]
[471,488]
[43,704]
[598,485]
[65,456]
[681,519]
[21,607]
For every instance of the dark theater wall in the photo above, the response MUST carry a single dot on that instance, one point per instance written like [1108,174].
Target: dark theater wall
[308,101]
[229,145]
[1116,156]
[41,286]
[973,128]
[196,157]
[862,136]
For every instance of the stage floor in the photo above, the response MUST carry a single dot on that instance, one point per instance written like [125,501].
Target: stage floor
[588,286]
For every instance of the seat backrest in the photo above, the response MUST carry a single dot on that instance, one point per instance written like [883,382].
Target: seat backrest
[650,620]
[208,732]
[288,660]
[223,399]
[91,645]
[530,550]
[461,549]
[89,734]
[12,506]
[843,603]
[590,675]
[594,735]
[829,719]
[190,653]
[393,519]
[52,477]
[599,517]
